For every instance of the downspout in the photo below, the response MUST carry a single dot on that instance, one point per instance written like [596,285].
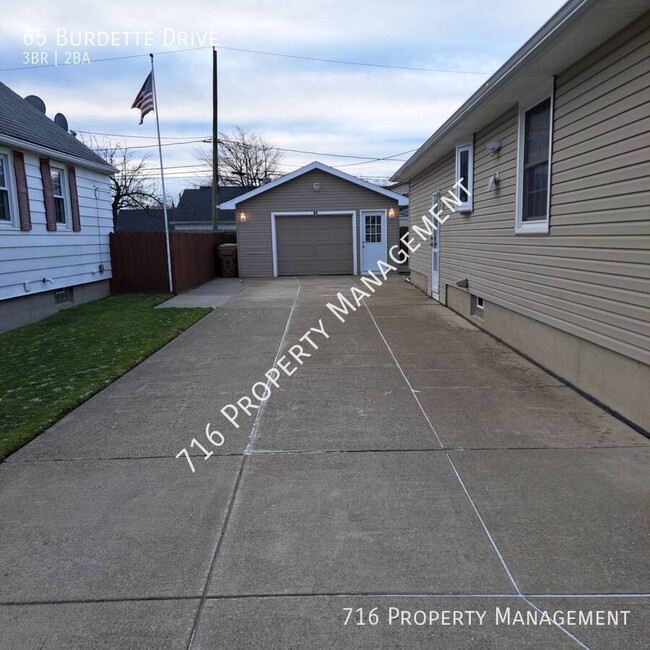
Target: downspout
[101,267]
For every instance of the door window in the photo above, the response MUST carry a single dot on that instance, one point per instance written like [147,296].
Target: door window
[373,228]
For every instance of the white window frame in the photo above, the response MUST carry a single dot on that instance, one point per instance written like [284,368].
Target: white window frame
[541,226]
[12,188]
[65,195]
[468,182]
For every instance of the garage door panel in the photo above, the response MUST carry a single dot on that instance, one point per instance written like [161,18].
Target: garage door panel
[314,245]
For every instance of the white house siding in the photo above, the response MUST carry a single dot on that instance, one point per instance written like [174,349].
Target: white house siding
[69,258]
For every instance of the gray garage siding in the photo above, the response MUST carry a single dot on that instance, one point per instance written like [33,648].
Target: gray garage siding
[590,275]
[254,236]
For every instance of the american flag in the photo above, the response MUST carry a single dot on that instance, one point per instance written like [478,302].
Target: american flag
[144,100]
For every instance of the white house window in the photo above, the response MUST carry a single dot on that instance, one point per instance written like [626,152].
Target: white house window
[534,167]
[58,194]
[464,175]
[5,190]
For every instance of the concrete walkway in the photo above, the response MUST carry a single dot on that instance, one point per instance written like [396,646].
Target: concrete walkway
[213,293]
[411,464]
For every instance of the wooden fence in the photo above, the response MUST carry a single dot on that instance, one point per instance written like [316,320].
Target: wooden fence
[139,260]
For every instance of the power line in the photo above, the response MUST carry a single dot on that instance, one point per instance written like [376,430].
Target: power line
[344,62]
[143,137]
[178,171]
[198,169]
[105,59]
[392,157]
[150,146]
[259,52]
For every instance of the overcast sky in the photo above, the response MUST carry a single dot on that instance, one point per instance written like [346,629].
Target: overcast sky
[296,104]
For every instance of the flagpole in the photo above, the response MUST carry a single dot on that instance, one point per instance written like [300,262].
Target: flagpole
[162,178]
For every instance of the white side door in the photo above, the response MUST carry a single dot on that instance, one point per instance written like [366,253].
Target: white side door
[373,228]
[435,263]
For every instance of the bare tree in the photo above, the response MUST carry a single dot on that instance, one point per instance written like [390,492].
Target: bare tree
[132,186]
[245,158]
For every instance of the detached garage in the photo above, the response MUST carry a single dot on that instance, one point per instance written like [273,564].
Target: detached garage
[315,221]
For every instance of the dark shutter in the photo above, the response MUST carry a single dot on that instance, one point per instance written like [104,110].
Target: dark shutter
[23,194]
[50,210]
[74,199]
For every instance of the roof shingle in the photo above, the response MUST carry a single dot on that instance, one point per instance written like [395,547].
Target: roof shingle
[20,120]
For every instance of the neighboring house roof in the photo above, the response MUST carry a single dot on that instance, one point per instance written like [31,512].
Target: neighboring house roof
[399,188]
[192,212]
[231,205]
[579,27]
[19,120]
[150,220]
[195,204]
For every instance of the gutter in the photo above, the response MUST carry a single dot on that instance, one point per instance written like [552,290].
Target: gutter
[521,56]
[57,155]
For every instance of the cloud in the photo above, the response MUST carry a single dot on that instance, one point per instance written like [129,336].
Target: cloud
[297,104]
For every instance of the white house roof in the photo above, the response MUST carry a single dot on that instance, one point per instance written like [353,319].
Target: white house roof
[576,29]
[231,205]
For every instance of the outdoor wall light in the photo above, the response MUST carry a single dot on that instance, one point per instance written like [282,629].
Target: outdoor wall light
[494,146]
[242,217]
[391,213]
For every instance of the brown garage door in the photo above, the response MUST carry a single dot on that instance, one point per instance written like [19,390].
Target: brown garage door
[314,245]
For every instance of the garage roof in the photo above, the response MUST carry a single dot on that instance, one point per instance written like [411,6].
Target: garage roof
[231,205]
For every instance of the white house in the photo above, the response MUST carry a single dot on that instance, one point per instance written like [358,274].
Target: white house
[55,215]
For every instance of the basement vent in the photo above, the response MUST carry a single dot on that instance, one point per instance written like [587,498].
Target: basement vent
[63,296]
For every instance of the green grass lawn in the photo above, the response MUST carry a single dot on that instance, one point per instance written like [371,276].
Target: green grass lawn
[49,368]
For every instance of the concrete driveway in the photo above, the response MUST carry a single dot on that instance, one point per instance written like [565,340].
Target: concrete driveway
[412,476]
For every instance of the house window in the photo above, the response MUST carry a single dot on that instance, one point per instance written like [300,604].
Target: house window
[534,167]
[5,196]
[58,194]
[464,175]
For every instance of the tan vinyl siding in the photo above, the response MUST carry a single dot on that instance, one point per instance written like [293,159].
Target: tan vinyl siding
[254,236]
[589,275]
[602,107]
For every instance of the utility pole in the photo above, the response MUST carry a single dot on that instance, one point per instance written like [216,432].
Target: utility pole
[215,145]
